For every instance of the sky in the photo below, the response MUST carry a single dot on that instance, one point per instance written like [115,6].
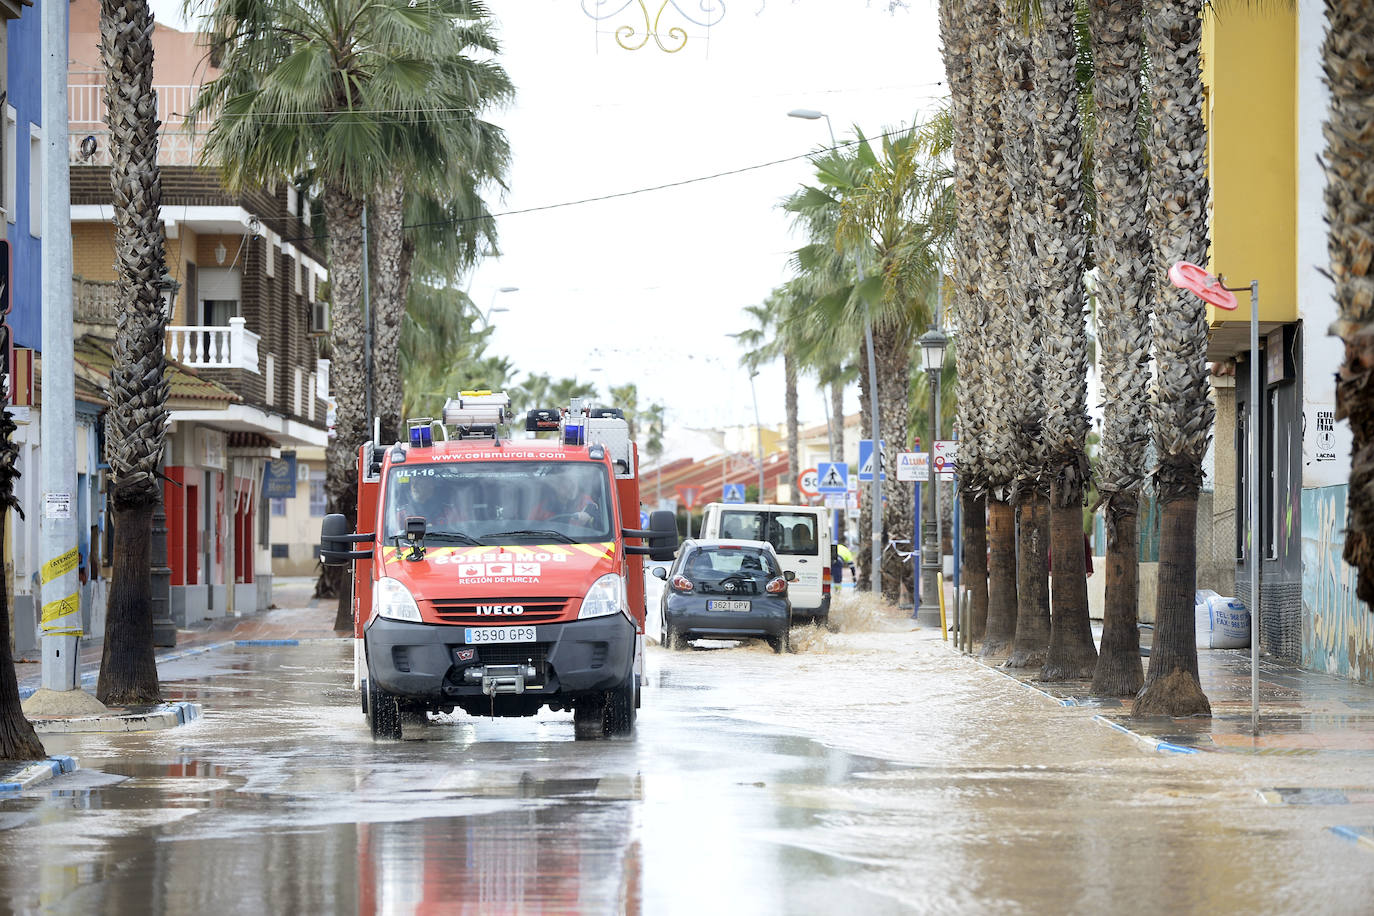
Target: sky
[648,286]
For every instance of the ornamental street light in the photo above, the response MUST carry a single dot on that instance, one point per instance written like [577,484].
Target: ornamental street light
[491,306]
[876,579]
[933,344]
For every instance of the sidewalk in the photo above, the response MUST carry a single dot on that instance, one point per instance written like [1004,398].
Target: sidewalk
[1300,712]
[297,616]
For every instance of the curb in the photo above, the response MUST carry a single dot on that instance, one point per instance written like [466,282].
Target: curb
[1154,744]
[168,715]
[1360,836]
[38,772]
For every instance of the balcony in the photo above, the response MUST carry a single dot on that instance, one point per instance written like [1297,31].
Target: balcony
[86,118]
[95,303]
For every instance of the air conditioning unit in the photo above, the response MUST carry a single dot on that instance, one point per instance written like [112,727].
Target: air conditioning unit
[319,318]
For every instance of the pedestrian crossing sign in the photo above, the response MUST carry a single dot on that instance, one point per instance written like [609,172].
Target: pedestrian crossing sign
[832,477]
[732,493]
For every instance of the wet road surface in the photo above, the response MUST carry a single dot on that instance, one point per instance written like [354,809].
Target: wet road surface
[874,771]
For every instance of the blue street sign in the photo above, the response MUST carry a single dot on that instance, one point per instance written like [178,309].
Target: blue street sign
[732,493]
[643,520]
[866,459]
[279,477]
[832,477]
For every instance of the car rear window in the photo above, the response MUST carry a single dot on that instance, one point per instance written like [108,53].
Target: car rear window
[747,570]
[790,533]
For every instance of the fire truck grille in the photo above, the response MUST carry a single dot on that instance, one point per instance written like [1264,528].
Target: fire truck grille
[536,610]
[536,654]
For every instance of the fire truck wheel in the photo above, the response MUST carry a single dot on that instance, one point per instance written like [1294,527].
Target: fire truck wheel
[386,714]
[589,718]
[362,693]
[620,708]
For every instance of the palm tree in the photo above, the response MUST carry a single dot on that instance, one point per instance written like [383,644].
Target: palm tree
[443,155]
[311,84]
[137,417]
[1180,409]
[1122,250]
[1062,251]
[969,309]
[1350,214]
[1027,416]
[441,353]
[17,738]
[767,339]
[991,193]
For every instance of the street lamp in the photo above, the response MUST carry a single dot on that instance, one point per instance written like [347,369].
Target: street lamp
[491,306]
[876,578]
[933,358]
[758,429]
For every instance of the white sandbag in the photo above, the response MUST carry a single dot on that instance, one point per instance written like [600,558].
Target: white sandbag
[1202,618]
[1229,623]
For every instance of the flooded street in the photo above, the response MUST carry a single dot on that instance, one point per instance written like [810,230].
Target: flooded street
[873,771]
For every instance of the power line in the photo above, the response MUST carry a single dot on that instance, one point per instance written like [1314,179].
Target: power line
[635,192]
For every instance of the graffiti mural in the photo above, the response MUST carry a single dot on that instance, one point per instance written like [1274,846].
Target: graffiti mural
[1338,629]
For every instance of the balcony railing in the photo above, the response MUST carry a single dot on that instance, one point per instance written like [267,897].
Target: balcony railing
[86,116]
[214,346]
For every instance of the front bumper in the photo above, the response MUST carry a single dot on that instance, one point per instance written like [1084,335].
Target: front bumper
[417,661]
[766,618]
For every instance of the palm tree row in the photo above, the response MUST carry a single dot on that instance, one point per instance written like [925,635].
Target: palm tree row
[1020,259]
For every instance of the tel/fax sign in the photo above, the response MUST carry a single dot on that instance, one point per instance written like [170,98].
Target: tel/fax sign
[866,460]
[832,477]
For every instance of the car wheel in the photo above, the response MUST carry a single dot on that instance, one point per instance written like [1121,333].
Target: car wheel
[386,714]
[675,640]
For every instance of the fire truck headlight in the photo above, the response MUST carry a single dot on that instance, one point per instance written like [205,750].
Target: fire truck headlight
[392,599]
[606,596]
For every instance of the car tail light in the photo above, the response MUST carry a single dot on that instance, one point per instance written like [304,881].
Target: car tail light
[682,583]
[776,586]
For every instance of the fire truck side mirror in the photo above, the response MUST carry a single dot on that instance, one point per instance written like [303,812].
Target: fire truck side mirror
[663,545]
[336,539]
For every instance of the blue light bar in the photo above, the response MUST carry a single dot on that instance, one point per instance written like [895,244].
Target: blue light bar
[421,437]
[573,435]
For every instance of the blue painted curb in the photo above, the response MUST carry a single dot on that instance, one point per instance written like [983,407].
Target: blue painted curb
[267,642]
[40,771]
[1154,744]
[1360,836]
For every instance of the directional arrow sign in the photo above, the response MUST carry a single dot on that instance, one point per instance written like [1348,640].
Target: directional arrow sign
[732,493]
[832,477]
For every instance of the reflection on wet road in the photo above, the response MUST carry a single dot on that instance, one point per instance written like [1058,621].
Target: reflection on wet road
[872,772]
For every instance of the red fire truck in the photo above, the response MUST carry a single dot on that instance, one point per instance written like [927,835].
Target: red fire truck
[499,575]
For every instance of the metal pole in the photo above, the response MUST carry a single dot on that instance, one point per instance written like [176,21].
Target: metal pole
[758,429]
[916,552]
[59,589]
[929,612]
[1252,434]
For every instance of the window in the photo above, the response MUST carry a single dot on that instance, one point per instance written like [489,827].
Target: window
[278,506]
[35,180]
[281,551]
[10,202]
[317,497]
[791,533]
[292,205]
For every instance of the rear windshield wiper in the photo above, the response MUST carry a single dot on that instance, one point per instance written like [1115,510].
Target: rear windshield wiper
[455,536]
[534,533]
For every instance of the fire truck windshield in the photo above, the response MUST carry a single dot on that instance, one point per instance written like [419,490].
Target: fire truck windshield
[501,502]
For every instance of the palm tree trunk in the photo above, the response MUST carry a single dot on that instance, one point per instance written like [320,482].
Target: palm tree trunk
[837,421]
[975,559]
[1173,688]
[1346,52]
[1122,252]
[789,371]
[1033,609]
[1072,653]
[1181,411]
[17,738]
[892,358]
[128,667]
[388,304]
[137,418]
[1119,672]
[1002,598]
[863,555]
[348,377]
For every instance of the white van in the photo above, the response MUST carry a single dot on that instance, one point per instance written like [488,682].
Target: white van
[800,536]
